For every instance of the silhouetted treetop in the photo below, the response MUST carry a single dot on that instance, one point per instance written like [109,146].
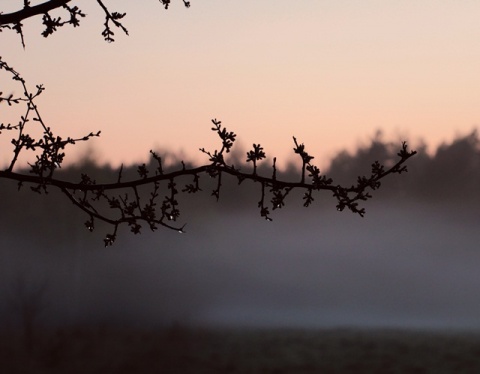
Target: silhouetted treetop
[449,173]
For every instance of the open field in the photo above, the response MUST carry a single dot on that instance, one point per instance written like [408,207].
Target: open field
[182,350]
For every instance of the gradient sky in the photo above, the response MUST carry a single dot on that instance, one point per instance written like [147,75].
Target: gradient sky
[329,72]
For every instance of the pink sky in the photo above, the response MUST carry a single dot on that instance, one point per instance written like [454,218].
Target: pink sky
[329,72]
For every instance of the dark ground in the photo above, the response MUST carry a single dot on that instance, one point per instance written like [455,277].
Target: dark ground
[182,350]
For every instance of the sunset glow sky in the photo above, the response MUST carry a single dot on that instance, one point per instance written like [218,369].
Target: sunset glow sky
[329,72]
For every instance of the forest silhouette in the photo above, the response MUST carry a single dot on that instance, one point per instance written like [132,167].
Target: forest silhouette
[449,175]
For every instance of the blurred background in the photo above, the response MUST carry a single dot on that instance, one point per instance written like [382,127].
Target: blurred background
[412,261]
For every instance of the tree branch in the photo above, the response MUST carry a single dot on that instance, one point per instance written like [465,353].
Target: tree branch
[101,201]
[31,11]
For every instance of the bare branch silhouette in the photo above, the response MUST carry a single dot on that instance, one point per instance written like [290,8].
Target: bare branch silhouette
[120,202]
[14,20]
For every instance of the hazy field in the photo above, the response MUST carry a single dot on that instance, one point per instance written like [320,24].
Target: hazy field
[181,350]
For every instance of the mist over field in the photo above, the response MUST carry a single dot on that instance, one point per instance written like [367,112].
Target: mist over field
[412,261]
